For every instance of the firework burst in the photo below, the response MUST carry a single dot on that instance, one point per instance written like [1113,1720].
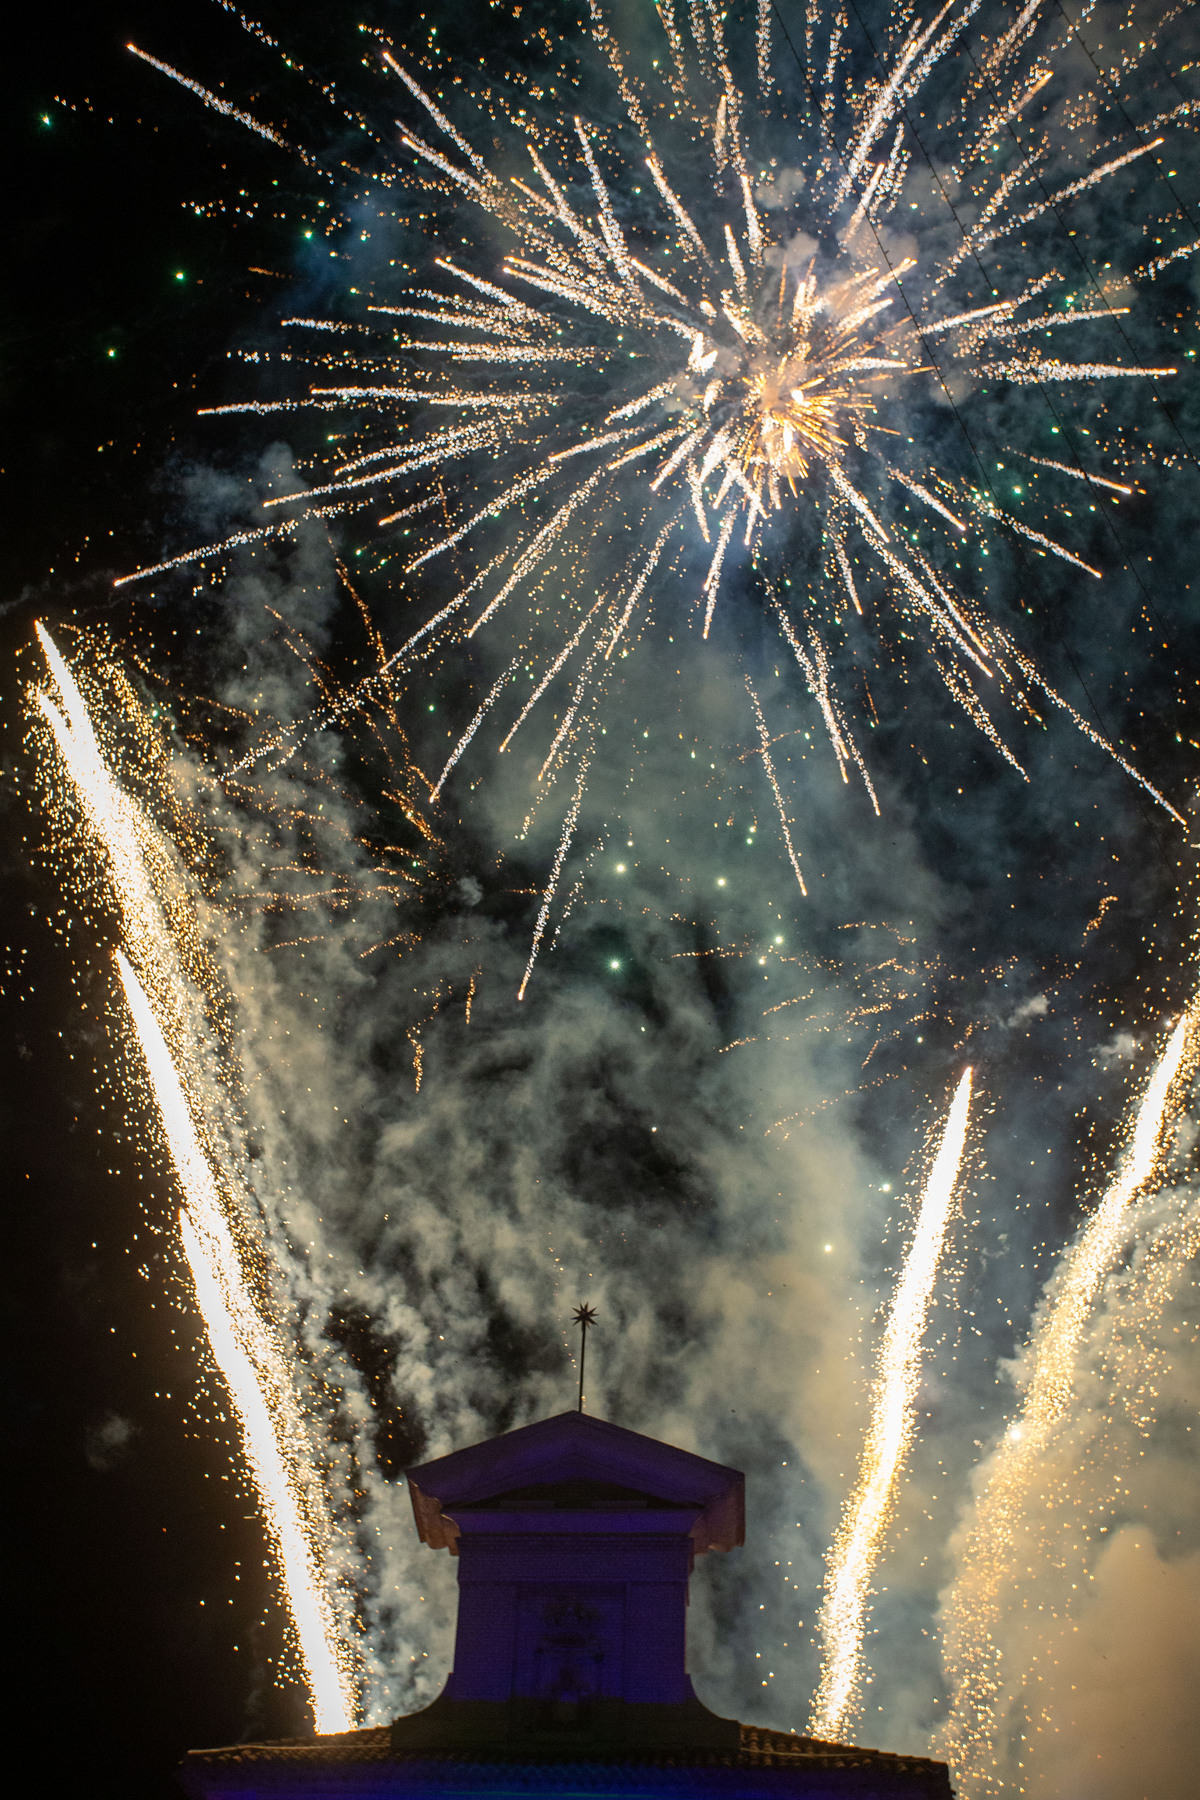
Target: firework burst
[723,301]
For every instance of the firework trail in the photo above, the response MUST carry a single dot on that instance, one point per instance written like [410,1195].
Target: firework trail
[1013,1479]
[764,749]
[753,363]
[246,1349]
[254,1370]
[859,1540]
[131,849]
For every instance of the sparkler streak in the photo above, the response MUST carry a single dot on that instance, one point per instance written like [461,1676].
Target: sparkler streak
[635,592]
[564,844]
[1155,267]
[530,557]
[1046,462]
[476,722]
[922,493]
[1050,321]
[551,672]
[1038,537]
[1027,373]
[252,1367]
[1076,474]
[843,562]
[816,673]
[517,491]
[266,406]
[434,396]
[439,117]
[933,327]
[568,717]
[230,543]
[259,1379]
[713,578]
[859,1540]
[893,92]
[935,610]
[1029,669]
[218,105]
[1086,181]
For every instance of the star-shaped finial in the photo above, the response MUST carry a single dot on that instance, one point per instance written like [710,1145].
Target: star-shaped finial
[583,1316]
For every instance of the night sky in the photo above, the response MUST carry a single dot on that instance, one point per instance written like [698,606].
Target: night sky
[145,1617]
[137,1561]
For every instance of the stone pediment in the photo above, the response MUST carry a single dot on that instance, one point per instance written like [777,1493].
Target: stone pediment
[576,1463]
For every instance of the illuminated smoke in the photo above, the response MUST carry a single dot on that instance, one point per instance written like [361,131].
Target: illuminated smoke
[246,1349]
[1013,1483]
[859,1540]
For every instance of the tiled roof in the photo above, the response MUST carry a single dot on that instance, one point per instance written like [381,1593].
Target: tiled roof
[764,1749]
[371,1745]
[760,1748]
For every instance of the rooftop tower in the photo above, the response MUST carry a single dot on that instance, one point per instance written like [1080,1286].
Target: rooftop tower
[575,1542]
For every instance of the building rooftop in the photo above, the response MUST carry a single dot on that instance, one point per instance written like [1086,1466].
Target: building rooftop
[319,1765]
[574,1541]
[574,1461]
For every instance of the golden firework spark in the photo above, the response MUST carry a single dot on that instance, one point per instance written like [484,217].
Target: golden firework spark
[138,868]
[752,341]
[254,1370]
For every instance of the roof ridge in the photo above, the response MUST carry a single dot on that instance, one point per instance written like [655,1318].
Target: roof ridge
[767,1740]
[760,1745]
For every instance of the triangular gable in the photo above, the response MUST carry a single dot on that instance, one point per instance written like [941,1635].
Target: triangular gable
[574,1446]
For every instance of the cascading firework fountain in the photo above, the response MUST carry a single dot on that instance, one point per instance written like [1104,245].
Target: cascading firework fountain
[252,1360]
[859,1542]
[1011,1481]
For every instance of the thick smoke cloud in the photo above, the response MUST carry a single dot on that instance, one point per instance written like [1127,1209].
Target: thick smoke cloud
[1094,1631]
[1124,1722]
[592,1142]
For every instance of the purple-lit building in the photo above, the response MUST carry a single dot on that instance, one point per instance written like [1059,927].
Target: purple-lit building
[575,1540]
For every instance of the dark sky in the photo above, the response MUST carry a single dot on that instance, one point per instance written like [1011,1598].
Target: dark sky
[143,1612]
[127,1524]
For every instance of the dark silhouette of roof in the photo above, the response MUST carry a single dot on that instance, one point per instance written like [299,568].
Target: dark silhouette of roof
[575,1541]
[576,1448]
[320,1765]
